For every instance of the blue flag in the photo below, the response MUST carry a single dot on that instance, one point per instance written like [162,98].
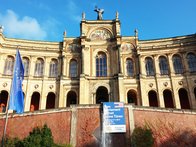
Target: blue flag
[16,93]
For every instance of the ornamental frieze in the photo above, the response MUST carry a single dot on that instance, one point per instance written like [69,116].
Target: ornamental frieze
[74,48]
[126,47]
[100,34]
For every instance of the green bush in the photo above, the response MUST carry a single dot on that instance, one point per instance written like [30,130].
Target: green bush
[142,137]
[39,137]
[11,142]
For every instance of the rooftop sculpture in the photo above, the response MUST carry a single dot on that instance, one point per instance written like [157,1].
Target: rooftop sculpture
[99,13]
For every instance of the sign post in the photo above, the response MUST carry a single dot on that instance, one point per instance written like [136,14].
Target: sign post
[114,117]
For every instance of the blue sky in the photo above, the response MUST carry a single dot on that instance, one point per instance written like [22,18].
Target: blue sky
[48,19]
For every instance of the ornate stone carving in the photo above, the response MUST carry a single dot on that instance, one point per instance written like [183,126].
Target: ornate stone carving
[126,47]
[165,84]
[36,86]
[51,86]
[100,34]
[4,84]
[74,48]
[180,82]
[151,84]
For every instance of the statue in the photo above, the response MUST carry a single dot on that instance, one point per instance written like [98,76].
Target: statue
[64,33]
[83,16]
[99,13]
[1,29]
[136,33]
[117,15]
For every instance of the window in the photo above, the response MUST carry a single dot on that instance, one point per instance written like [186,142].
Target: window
[53,68]
[177,64]
[129,67]
[26,66]
[191,62]
[101,65]
[73,68]
[163,65]
[39,67]
[149,66]
[9,65]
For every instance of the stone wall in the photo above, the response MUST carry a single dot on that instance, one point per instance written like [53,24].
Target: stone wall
[81,125]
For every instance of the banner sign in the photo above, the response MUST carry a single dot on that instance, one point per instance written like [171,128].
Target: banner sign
[114,117]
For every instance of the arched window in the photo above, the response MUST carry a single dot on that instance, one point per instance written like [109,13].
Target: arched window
[129,67]
[152,97]
[53,68]
[149,66]
[191,62]
[73,68]
[102,95]
[3,101]
[163,65]
[50,102]
[35,101]
[101,65]
[26,66]
[39,67]
[195,92]
[71,98]
[184,100]
[9,65]
[177,64]
[168,99]
[132,97]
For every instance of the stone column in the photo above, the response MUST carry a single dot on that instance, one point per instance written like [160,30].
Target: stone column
[2,61]
[64,66]
[121,88]
[177,99]
[158,86]
[62,100]
[32,66]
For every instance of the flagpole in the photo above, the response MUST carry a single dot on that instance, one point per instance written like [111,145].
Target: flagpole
[6,121]
[16,99]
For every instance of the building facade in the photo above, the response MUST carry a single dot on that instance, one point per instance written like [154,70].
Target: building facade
[102,65]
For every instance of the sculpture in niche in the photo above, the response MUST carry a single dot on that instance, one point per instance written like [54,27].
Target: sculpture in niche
[74,48]
[99,35]
[99,13]
[126,47]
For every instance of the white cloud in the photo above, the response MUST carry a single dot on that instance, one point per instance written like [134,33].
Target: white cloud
[26,27]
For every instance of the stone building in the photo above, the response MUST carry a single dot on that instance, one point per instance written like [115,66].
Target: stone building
[102,65]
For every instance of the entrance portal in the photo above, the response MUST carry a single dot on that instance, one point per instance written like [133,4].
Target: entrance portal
[102,95]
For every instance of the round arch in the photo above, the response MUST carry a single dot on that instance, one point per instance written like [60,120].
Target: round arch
[3,100]
[50,101]
[184,99]
[35,101]
[99,85]
[168,98]
[152,97]
[132,97]
[195,92]
[71,98]
[102,95]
